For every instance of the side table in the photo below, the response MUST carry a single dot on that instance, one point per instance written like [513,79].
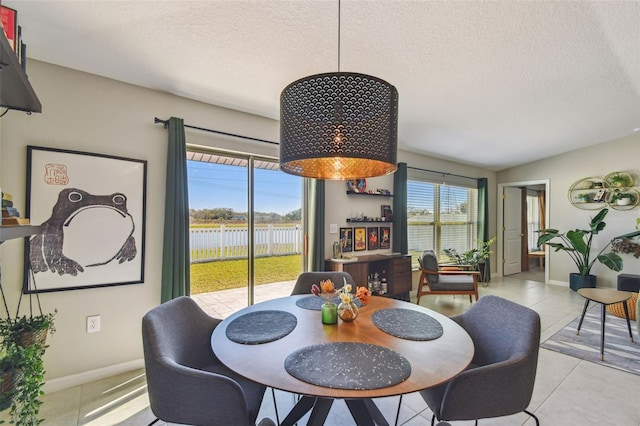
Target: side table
[604,296]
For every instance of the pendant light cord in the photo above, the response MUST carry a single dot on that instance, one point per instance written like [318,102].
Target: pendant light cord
[338,35]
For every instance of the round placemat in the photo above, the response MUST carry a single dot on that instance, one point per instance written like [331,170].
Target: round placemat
[348,365]
[314,303]
[261,327]
[407,324]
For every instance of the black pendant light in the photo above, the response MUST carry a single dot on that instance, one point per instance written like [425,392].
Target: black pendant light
[339,125]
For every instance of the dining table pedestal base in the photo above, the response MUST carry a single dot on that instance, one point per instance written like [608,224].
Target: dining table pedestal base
[364,411]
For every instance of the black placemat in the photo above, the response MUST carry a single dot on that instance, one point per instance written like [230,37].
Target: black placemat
[407,324]
[348,365]
[315,302]
[261,327]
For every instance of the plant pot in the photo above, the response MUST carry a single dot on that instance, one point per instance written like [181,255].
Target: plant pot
[577,281]
[624,201]
[7,388]
[28,338]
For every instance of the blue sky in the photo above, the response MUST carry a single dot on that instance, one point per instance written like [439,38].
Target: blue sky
[217,185]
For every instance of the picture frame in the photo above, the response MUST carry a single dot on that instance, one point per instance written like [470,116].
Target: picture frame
[346,239]
[359,239]
[385,237]
[386,213]
[372,238]
[91,209]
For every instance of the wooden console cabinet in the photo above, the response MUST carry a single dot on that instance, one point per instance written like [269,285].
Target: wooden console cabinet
[396,266]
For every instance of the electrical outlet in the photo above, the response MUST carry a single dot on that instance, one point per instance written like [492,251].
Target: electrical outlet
[93,323]
[333,228]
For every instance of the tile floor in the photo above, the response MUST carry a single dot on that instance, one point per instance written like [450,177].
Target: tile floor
[568,391]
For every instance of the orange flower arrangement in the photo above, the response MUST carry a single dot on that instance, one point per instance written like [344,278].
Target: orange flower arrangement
[327,290]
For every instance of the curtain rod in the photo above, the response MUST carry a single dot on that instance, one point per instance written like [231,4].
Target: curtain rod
[442,173]
[166,122]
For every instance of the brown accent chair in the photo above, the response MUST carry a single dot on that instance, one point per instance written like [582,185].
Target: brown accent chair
[434,280]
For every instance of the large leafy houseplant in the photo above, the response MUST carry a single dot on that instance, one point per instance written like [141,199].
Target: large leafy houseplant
[23,346]
[577,243]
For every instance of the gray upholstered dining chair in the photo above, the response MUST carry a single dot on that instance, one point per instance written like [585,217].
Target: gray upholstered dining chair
[499,381]
[307,279]
[444,281]
[186,383]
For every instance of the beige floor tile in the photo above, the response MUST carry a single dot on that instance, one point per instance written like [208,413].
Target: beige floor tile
[567,391]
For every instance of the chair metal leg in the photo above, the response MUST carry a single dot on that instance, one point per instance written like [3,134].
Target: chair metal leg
[154,422]
[534,417]
[398,412]
[275,405]
[433,420]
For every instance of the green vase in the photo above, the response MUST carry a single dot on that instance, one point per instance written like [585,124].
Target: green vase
[329,313]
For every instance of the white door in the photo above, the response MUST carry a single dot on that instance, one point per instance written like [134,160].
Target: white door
[512,233]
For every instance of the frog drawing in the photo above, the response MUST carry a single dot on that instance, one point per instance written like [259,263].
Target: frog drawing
[46,248]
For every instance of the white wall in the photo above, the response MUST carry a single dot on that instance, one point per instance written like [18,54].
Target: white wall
[88,113]
[562,171]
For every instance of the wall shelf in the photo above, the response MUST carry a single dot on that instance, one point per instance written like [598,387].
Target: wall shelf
[16,91]
[17,231]
[371,194]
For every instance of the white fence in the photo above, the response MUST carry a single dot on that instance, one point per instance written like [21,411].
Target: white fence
[222,243]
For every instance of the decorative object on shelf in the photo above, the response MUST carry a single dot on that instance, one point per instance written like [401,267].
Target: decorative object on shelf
[358,186]
[385,237]
[616,190]
[372,238]
[9,19]
[622,197]
[82,198]
[619,180]
[359,239]
[386,213]
[346,239]
[577,244]
[337,250]
[339,125]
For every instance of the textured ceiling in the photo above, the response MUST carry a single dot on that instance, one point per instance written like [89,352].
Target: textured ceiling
[492,84]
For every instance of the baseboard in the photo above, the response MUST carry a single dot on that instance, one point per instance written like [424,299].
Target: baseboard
[562,283]
[91,375]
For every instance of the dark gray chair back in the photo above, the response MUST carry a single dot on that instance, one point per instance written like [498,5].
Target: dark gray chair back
[186,383]
[307,279]
[500,380]
[429,261]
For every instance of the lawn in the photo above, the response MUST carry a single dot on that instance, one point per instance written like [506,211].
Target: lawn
[226,274]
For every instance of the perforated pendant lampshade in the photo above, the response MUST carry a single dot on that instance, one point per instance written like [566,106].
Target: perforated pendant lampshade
[339,126]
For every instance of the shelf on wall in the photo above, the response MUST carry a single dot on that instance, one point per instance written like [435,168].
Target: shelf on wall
[16,90]
[17,231]
[372,194]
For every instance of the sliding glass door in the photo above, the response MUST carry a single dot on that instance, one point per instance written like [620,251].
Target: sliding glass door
[246,233]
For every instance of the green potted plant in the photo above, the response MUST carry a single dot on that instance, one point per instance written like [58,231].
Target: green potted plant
[619,180]
[475,258]
[622,198]
[24,345]
[577,243]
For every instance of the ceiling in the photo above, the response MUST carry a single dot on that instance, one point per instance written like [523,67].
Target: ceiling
[493,84]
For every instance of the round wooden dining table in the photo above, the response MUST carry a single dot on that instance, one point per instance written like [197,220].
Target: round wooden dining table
[432,362]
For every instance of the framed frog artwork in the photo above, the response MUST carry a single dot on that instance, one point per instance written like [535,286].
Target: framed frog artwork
[91,212]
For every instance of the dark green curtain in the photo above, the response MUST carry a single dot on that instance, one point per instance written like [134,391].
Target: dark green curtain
[400,239]
[175,253]
[315,225]
[483,221]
